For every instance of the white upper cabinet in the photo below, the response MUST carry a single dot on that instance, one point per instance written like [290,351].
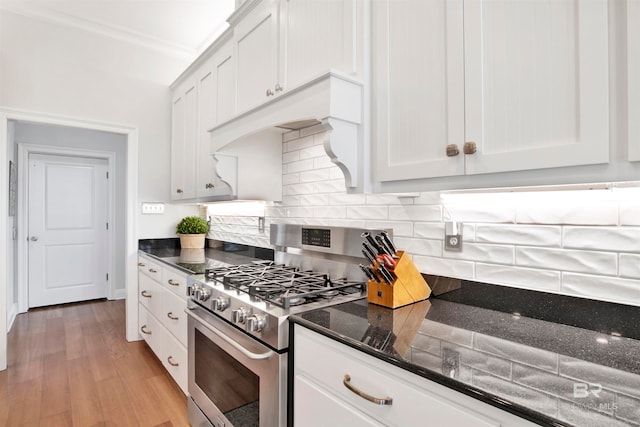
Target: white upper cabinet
[633,75]
[216,103]
[317,35]
[281,44]
[419,88]
[256,50]
[184,141]
[536,84]
[514,85]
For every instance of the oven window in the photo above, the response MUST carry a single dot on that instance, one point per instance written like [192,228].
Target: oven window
[232,387]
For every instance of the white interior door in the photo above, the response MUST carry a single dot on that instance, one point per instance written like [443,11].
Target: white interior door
[68,259]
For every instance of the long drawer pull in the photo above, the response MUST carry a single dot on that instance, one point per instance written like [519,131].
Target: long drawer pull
[144,331]
[171,316]
[378,401]
[171,362]
[145,294]
[172,283]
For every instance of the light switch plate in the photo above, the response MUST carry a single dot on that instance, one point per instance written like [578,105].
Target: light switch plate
[152,208]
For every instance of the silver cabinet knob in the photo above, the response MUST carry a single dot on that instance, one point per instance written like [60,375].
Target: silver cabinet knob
[34,238]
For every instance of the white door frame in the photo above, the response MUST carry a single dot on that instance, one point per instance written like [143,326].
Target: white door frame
[131,226]
[24,151]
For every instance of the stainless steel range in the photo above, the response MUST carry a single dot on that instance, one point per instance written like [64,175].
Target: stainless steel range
[238,328]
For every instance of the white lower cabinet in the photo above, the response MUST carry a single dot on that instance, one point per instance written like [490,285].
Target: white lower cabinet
[336,381]
[162,321]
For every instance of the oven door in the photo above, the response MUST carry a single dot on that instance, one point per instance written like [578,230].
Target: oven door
[234,379]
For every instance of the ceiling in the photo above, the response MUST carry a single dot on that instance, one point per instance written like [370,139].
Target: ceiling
[178,27]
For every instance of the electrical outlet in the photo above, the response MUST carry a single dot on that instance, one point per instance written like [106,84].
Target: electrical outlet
[453,236]
[450,363]
[152,208]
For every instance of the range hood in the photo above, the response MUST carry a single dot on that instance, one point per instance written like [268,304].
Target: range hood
[332,100]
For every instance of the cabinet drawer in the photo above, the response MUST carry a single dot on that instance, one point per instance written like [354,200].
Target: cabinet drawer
[411,399]
[175,281]
[174,359]
[150,268]
[151,329]
[150,294]
[173,316]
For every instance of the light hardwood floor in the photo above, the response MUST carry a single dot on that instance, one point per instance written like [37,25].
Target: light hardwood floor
[70,365]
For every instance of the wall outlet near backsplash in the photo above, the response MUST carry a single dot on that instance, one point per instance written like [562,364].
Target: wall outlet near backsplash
[453,236]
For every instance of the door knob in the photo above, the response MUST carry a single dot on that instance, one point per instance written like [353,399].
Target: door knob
[34,238]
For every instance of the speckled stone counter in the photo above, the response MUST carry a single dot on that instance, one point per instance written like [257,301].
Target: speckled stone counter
[548,372]
[195,261]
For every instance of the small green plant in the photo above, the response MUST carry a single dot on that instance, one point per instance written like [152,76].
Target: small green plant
[192,225]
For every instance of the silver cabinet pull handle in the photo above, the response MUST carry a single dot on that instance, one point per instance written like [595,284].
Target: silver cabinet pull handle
[171,316]
[145,294]
[144,331]
[378,401]
[172,283]
[171,362]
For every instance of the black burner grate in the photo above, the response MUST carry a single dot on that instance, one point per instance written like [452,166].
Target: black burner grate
[282,285]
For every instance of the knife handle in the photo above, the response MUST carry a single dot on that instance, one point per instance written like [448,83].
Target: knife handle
[383,245]
[388,242]
[368,256]
[372,242]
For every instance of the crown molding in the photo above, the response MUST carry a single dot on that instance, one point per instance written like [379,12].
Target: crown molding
[111,31]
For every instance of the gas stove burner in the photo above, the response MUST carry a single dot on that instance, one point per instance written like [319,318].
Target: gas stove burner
[294,300]
[329,294]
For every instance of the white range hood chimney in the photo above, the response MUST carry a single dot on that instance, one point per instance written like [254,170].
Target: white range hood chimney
[333,99]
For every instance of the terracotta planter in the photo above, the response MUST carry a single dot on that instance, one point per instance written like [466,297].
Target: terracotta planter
[192,241]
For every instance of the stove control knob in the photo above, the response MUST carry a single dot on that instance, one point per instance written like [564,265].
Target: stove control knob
[204,294]
[220,304]
[256,323]
[240,315]
[192,289]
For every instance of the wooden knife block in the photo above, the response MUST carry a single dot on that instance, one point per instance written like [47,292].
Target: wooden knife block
[408,287]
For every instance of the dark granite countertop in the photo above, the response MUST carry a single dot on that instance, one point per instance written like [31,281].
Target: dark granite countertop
[195,261]
[545,371]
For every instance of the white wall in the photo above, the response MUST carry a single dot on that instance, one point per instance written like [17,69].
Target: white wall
[66,72]
[581,243]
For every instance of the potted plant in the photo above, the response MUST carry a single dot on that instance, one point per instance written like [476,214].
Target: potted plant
[192,231]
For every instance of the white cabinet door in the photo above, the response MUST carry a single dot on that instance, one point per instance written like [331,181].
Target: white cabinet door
[536,84]
[184,140]
[206,110]
[316,36]
[225,84]
[174,358]
[256,52]
[316,407]
[633,58]
[173,316]
[150,294]
[419,88]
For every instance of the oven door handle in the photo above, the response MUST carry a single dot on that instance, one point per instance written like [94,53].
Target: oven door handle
[230,341]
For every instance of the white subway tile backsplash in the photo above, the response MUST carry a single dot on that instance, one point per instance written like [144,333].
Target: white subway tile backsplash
[290,157]
[314,175]
[479,213]
[630,213]
[576,213]
[298,166]
[583,242]
[630,265]
[368,212]
[312,152]
[624,291]
[618,239]
[398,228]
[519,277]
[439,266]
[329,186]
[498,254]
[531,235]
[568,260]
[419,246]
[416,213]
[429,230]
